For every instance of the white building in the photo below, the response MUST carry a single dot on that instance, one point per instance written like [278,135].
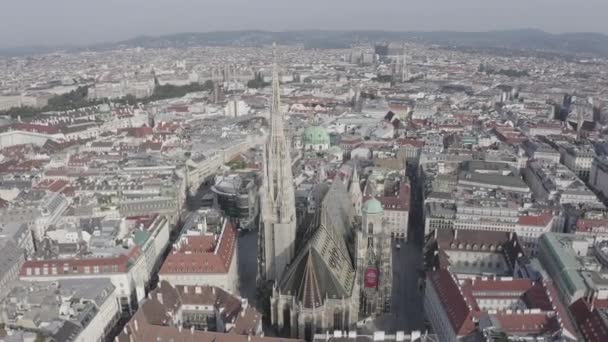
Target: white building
[88,307]
[50,209]
[236,108]
[578,160]
[128,268]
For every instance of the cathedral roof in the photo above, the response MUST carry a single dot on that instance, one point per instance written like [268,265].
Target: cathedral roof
[324,268]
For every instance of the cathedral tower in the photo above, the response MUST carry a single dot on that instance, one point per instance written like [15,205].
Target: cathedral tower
[278,213]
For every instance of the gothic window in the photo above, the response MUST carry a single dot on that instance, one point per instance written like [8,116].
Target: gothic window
[370,228]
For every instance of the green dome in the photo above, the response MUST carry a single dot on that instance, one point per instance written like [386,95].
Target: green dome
[372,206]
[316,135]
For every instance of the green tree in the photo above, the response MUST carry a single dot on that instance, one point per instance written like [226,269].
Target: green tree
[257,82]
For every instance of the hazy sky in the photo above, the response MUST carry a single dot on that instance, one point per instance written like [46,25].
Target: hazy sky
[51,22]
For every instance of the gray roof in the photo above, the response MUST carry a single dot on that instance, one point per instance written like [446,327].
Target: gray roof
[324,267]
[11,255]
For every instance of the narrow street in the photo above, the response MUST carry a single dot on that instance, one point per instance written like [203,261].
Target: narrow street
[248,265]
[407,305]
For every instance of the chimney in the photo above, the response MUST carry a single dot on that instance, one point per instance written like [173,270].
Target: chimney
[455,234]
[185,288]
[136,326]
[159,296]
[192,330]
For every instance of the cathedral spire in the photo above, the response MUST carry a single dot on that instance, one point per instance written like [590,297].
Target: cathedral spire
[276,94]
[277,199]
[356,196]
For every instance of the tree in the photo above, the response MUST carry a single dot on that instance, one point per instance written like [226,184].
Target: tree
[257,82]
[208,85]
[78,98]
[130,100]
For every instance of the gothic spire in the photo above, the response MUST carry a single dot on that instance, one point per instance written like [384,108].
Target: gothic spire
[276,95]
[277,197]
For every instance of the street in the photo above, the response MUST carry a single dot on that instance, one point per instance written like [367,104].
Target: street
[248,265]
[407,312]
[246,246]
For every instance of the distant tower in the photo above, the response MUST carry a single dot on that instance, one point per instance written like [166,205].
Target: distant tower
[356,196]
[580,120]
[216,77]
[357,100]
[322,176]
[278,212]
[405,75]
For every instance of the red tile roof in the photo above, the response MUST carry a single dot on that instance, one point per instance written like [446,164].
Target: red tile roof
[460,303]
[525,323]
[589,321]
[202,254]
[411,142]
[75,266]
[52,185]
[516,286]
[536,220]
[28,127]
[153,320]
[589,225]
[457,309]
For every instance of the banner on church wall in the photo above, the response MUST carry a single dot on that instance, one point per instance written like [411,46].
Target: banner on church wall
[371,278]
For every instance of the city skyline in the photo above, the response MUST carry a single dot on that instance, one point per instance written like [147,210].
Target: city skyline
[74,23]
[303,185]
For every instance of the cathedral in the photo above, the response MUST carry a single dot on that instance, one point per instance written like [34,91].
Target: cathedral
[277,202]
[342,269]
[320,291]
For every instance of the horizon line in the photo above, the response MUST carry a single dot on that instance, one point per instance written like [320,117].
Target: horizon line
[168,34]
